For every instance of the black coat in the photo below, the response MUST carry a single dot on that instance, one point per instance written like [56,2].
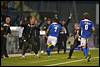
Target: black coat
[6,30]
[66,25]
[31,32]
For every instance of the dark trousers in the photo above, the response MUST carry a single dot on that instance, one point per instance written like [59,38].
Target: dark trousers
[3,46]
[42,43]
[20,43]
[33,43]
[62,42]
[76,43]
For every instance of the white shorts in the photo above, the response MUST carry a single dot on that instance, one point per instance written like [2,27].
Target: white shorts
[52,40]
[83,41]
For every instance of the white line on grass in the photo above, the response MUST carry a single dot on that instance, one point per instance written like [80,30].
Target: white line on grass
[67,62]
[46,60]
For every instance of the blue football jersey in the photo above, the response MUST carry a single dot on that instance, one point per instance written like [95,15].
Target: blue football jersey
[54,29]
[86,27]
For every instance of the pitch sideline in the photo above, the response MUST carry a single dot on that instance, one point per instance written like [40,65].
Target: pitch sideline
[67,62]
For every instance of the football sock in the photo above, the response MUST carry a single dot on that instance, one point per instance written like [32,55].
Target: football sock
[48,51]
[85,53]
[87,50]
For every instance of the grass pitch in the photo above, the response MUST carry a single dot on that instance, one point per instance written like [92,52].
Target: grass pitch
[54,60]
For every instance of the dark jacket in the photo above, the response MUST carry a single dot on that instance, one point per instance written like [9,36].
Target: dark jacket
[66,25]
[6,30]
[31,32]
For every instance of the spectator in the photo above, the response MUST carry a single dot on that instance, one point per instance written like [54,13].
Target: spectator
[5,30]
[43,29]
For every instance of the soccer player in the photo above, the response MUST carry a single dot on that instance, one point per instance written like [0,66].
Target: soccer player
[87,27]
[53,32]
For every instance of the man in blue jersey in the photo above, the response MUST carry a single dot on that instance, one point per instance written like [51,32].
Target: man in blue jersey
[87,27]
[53,32]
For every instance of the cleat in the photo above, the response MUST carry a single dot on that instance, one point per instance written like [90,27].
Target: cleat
[89,58]
[7,56]
[42,52]
[69,58]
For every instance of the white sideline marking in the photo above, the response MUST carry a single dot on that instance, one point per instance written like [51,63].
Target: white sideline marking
[67,62]
[46,60]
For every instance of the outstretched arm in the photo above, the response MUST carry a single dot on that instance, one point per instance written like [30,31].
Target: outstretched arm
[69,18]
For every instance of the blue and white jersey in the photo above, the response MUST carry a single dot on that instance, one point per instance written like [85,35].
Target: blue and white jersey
[86,28]
[54,29]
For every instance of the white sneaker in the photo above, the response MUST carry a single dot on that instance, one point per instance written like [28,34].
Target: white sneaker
[45,52]
[38,55]
[42,51]
[34,54]
[49,56]
[23,56]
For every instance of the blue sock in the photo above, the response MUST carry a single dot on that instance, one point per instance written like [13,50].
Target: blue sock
[85,52]
[48,51]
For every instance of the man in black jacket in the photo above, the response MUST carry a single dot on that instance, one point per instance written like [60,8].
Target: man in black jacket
[31,36]
[62,38]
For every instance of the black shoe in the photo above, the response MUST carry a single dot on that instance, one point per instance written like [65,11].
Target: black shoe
[7,56]
[69,58]
[88,58]
[64,52]
[58,52]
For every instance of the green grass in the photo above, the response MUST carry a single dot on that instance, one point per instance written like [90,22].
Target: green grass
[54,59]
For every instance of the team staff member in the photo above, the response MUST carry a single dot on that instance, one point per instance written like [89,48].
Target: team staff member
[62,38]
[31,36]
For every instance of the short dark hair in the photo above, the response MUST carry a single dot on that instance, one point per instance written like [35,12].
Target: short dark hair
[55,19]
[86,15]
